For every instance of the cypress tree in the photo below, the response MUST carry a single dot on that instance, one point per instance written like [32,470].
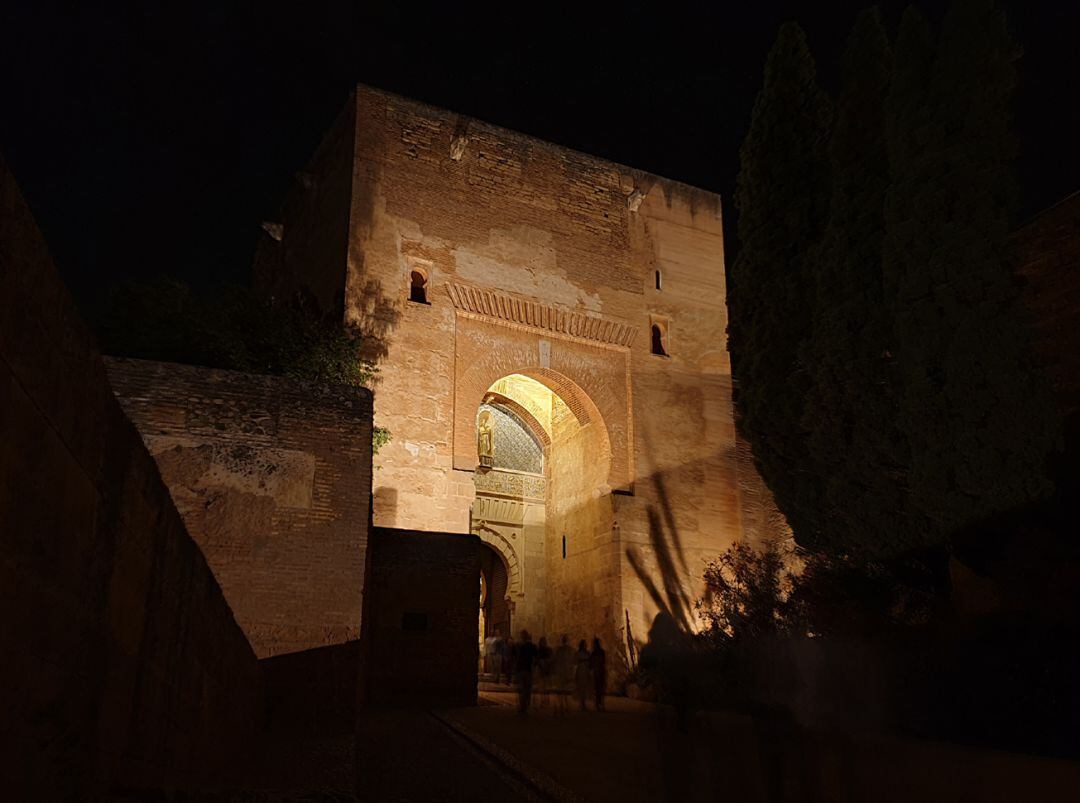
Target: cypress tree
[853,441]
[782,201]
[977,417]
[910,133]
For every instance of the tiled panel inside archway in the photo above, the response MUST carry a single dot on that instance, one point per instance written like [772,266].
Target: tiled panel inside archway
[515,448]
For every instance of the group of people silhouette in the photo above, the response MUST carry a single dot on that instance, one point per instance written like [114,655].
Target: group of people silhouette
[548,672]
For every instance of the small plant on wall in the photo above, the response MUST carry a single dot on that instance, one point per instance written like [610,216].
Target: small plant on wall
[380,436]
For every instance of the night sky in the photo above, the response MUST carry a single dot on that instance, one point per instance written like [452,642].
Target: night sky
[156,142]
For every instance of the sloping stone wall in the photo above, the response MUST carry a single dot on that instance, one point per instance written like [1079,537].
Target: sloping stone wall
[313,692]
[273,478]
[122,665]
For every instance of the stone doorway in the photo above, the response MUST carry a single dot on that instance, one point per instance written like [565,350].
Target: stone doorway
[495,619]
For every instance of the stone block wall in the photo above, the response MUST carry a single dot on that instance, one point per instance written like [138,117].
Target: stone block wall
[583,585]
[273,478]
[421,617]
[123,667]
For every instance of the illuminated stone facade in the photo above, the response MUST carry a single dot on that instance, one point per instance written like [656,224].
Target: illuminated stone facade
[490,268]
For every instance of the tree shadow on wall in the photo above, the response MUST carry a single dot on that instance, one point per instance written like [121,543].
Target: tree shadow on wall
[692,762]
[374,315]
[670,596]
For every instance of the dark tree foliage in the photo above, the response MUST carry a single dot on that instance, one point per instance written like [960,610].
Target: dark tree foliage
[782,197]
[232,328]
[229,328]
[838,596]
[746,595]
[977,417]
[854,445]
[878,345]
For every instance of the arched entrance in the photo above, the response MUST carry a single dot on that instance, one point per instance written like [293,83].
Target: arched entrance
[495,609]
[543,505]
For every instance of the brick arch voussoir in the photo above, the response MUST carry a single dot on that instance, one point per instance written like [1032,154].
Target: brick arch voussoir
[507,554]
[581,405]
[583,408]
[480,376]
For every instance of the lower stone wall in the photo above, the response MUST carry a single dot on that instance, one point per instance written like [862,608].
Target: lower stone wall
[421,617]
[273,479]
[122,665]
[312,692]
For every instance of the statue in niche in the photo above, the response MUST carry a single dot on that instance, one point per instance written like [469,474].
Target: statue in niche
[485,438]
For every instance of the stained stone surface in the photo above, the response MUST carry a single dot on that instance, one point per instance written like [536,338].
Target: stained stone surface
[272,477]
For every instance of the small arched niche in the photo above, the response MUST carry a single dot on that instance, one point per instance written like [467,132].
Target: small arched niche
[658,342]
[418,285]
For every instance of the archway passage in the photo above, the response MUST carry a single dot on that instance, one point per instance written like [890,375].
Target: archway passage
[543,506]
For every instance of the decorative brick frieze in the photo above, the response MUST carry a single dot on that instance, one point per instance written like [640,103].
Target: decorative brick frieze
[502,306]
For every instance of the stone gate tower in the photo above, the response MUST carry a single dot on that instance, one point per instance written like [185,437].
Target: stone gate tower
[553,368]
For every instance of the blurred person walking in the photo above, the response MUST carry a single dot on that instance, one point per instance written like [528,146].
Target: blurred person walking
[544,657]
[492,659]
[563,675]
[524,666]
[598,667]
[504,651]
[582,674]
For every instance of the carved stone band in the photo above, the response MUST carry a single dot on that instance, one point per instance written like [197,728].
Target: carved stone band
[507,307]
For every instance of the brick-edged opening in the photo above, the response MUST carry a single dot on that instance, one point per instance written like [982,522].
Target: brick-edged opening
[505,550]
[496,603]
[580,404]
[592,380]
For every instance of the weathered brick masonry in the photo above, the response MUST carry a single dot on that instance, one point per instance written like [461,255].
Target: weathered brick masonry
[273,478]
[122,666]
